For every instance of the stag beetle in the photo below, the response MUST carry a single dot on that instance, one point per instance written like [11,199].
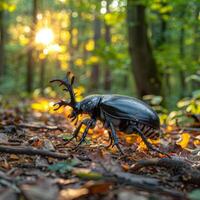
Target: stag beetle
[117,112]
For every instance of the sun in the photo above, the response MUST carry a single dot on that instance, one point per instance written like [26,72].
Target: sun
[44,36]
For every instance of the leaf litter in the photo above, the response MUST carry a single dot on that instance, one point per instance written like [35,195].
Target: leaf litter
[36,162]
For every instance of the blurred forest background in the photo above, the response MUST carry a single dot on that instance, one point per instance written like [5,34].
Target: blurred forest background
[138,48]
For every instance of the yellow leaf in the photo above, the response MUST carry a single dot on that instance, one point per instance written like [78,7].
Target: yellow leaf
[93,60]
[79,62]
[185,138]
[64,66]
[90,45]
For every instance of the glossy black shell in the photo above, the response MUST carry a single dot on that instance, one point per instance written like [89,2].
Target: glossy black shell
[129,108]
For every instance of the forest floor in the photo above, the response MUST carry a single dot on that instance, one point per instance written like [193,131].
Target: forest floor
[37,164]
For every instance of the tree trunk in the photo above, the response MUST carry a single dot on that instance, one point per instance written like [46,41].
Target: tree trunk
[71,50]
[107,73]
[30,59]
[95,68]
[196,33]
[196,43]
[42,75]
[2,40]
[182,55]
[143,64]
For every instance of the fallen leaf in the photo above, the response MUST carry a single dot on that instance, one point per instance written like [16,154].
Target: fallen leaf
[64,167]
[14,157]
[70,194]
[184,140]
[98,187]
[3,138]
[48,145]
[87,174]
[8,194]
[130,195]
[43,190]
[194,195]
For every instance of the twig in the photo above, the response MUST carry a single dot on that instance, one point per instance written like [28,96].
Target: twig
[190,129]
[196,117]
[31,151]
[32,126]
[8,181]
[186,172]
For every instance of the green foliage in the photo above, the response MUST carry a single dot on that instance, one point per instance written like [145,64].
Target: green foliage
[173,28]
[191,105]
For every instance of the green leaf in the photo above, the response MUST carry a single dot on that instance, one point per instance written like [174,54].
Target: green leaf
[89,175]
[194,195]
[64,167]
[196,94]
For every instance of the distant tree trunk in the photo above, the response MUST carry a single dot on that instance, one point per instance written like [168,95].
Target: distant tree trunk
[196,45]
[107,74]
[143,64]
[2,41]
[42,75]
[71,51]
[95,68]
[30,60]
[163,29]
[182,55]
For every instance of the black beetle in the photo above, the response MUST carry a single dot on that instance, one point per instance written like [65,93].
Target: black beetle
[117,112]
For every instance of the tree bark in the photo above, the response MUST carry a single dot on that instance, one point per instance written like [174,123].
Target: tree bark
[143,63]
[196,43]
[182,55]
[2,41]
[42,75]
[95,68]
[30,59]
[107,73]
[71,50]
[196,33]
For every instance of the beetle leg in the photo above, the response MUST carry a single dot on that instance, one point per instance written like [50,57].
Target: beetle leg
[110,139]
[115,138]
[90,123]
[77,130]
[148,144]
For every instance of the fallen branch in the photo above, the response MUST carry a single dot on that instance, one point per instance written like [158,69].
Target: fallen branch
[32,126]
[32,152]
[186,172]
[163,162]
[147,184]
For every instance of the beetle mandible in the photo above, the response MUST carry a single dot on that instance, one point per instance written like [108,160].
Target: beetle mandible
[116,112]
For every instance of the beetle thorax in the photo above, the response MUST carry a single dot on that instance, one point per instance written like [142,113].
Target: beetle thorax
[89,104]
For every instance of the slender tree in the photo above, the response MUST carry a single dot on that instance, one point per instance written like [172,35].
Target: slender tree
[143,63]
[2,41]
[182,51]
[71,50]
[107,74]
[30,60]
[97,36]
[42,75]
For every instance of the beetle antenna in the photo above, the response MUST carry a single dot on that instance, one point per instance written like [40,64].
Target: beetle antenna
[68,81]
